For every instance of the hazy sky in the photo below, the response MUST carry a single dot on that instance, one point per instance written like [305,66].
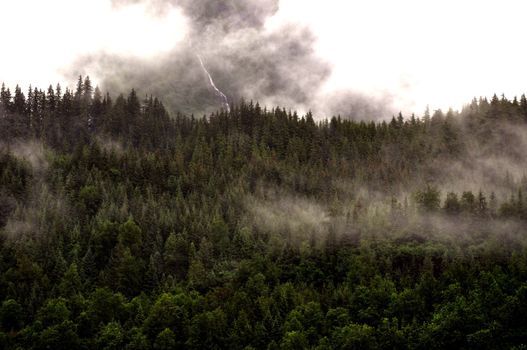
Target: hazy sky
[441,53]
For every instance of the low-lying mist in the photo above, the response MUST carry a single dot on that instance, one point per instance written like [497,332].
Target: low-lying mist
[357,215]
[32,212]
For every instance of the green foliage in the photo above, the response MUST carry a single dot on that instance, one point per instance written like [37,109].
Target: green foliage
[110,337]
[54,312]
[138,341]
[169,311]
[452,205]
[62,336]
[256,228]
[90,199]
[428,199]
[165,340]
[354,336]
[71,283]
[208,330]
[175,255]
[11,315]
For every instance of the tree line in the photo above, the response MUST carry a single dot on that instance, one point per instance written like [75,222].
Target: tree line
[138,229]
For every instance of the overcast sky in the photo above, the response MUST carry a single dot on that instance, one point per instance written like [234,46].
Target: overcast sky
[440,53]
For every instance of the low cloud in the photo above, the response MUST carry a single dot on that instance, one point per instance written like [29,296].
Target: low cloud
[247,59]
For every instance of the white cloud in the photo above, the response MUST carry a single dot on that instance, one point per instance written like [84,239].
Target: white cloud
[440,53]
[45,36]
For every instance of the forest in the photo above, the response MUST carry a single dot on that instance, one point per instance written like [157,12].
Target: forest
[124,227]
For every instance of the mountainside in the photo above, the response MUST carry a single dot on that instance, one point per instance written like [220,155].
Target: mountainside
[122,226]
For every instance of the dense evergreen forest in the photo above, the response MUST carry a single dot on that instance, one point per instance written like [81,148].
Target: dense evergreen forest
[123,227]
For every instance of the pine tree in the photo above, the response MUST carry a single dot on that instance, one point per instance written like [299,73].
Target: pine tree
[452,205]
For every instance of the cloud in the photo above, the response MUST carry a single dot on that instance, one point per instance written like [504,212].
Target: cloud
[276,65]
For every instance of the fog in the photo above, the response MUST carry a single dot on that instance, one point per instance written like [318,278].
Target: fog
[360,60]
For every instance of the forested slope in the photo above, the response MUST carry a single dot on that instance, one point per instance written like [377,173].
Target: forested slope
[124,227]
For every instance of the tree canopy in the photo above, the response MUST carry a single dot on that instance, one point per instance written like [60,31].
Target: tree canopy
[122,226]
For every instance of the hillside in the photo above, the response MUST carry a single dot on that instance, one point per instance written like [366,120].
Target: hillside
[122,226]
